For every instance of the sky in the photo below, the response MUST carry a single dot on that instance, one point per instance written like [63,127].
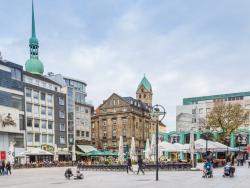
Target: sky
[185,48]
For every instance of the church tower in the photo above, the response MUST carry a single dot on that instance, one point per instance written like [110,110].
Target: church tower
[144,91]
[33,64]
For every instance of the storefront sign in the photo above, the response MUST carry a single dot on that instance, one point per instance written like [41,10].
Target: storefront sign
[2,155]
[47,147]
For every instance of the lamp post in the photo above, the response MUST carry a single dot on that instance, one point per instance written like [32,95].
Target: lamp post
[158,113]
[206,135]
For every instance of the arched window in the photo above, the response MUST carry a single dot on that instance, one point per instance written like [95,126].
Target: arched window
[139,96]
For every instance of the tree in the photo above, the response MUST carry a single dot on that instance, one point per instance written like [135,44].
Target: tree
[227,118]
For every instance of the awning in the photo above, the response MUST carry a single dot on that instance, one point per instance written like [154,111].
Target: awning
[86,148]
[80,153]
[34,151]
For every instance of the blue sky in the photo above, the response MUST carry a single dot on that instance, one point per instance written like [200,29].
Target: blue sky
[186,48]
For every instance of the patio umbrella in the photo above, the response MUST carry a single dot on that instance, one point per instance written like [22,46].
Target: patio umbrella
[109,153]
[95,153]
[179,147]
[35,151]
[147,150]
[153,148]
[120,152]
[132,150]
[167,146]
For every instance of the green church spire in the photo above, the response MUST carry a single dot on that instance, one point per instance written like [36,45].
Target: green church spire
[145,83]
[34,65]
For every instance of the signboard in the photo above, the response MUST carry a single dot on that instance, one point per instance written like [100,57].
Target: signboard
[248,149]
[2,155]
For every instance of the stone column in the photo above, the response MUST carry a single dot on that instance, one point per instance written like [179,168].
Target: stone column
[182,141]
[198,136]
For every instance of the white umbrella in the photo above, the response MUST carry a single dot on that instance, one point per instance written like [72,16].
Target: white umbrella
[153,148]
[168,147]
[201,145]
[35,151]
[179,147]
[147,150]
[132,150]
[120,152]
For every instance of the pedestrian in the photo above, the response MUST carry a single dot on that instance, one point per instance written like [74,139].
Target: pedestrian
[129,164]
[1,164]
[8,168]
[140,165]
[3,168]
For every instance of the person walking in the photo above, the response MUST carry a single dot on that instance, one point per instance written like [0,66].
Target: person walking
[129,164]
[8,168]
[140,165]
[1,164]
[3,168]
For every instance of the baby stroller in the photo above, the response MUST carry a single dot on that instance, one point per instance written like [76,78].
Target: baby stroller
[207,171]
[68,173]
[228,170]
[79,175]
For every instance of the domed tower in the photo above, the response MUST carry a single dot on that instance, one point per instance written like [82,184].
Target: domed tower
[144,91]
[33,64]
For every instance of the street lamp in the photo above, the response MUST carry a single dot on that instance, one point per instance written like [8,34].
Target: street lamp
[158,113]
[207,134]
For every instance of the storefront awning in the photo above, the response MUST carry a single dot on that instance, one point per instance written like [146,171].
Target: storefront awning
[86,148]
[34,151]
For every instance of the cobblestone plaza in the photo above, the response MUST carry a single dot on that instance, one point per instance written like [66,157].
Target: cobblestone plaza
[54,177]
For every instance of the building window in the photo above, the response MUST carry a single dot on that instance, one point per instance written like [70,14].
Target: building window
[62,127]
[139,96]
[201,111]
[114,102]
[208,110]
[16,74]
[49,98]
[77,108]
[37,137]
[50,125]
[50,138]
[49,111]
[35,94]
[82,133]
[30,137]
[114,144]
[28,92]
[62,140]
[61,101]
[104,122]
[77,133]
[193,120]
[118,102]
[105,134]
[86,111]
[28,107]
[61,114]
[44,138]
[87,133]
[114,121]
[43,110]
[93,125]
[17,102]
[44,124]
[193,111]
[114,132]
[36,109]
[43,96]
[36,123]
[29,122]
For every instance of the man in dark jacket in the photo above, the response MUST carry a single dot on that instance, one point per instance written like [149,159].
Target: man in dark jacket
[140,165]
[129,164]
[8,168]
